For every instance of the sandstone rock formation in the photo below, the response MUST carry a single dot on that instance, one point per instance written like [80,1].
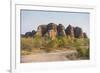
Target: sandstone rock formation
[78,33]
[70,31]
[52,26]
[42,29]
[53,30]
[61,30]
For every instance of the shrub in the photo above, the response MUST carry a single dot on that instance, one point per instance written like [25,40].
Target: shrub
[82,46]
[37,41]
[83,52]
[52,44]
[62,42]
[26,44]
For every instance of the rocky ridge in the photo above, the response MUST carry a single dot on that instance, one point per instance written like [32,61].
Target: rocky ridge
[54,30]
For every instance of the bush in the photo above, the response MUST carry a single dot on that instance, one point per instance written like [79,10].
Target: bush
[26,44]
[37,41]
[83,52]
[52,44]
[82,46]
[81,41]
[62,42]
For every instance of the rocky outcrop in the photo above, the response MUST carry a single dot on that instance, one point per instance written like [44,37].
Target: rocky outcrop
[70,31]
[52,30]
[78,33]
[75,32]
[42,29]
[29,34]
[61,30]
[52,26]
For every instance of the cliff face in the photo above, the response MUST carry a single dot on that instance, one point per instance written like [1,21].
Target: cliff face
[53,30]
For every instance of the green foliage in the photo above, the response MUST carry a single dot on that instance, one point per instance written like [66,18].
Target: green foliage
[81,42]
[37,41]
[62,42]
[26,44]
[52,44]
[82,46]
[83,52]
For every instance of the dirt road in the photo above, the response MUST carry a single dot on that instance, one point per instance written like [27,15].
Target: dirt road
[43,57]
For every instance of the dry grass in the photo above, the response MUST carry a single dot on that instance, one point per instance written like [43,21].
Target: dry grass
[39,45]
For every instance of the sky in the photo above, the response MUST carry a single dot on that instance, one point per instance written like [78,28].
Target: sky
[31,19]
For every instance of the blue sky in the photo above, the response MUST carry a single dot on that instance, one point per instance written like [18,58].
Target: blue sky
[31,19]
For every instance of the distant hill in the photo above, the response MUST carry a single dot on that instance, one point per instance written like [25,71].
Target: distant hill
[52,30]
